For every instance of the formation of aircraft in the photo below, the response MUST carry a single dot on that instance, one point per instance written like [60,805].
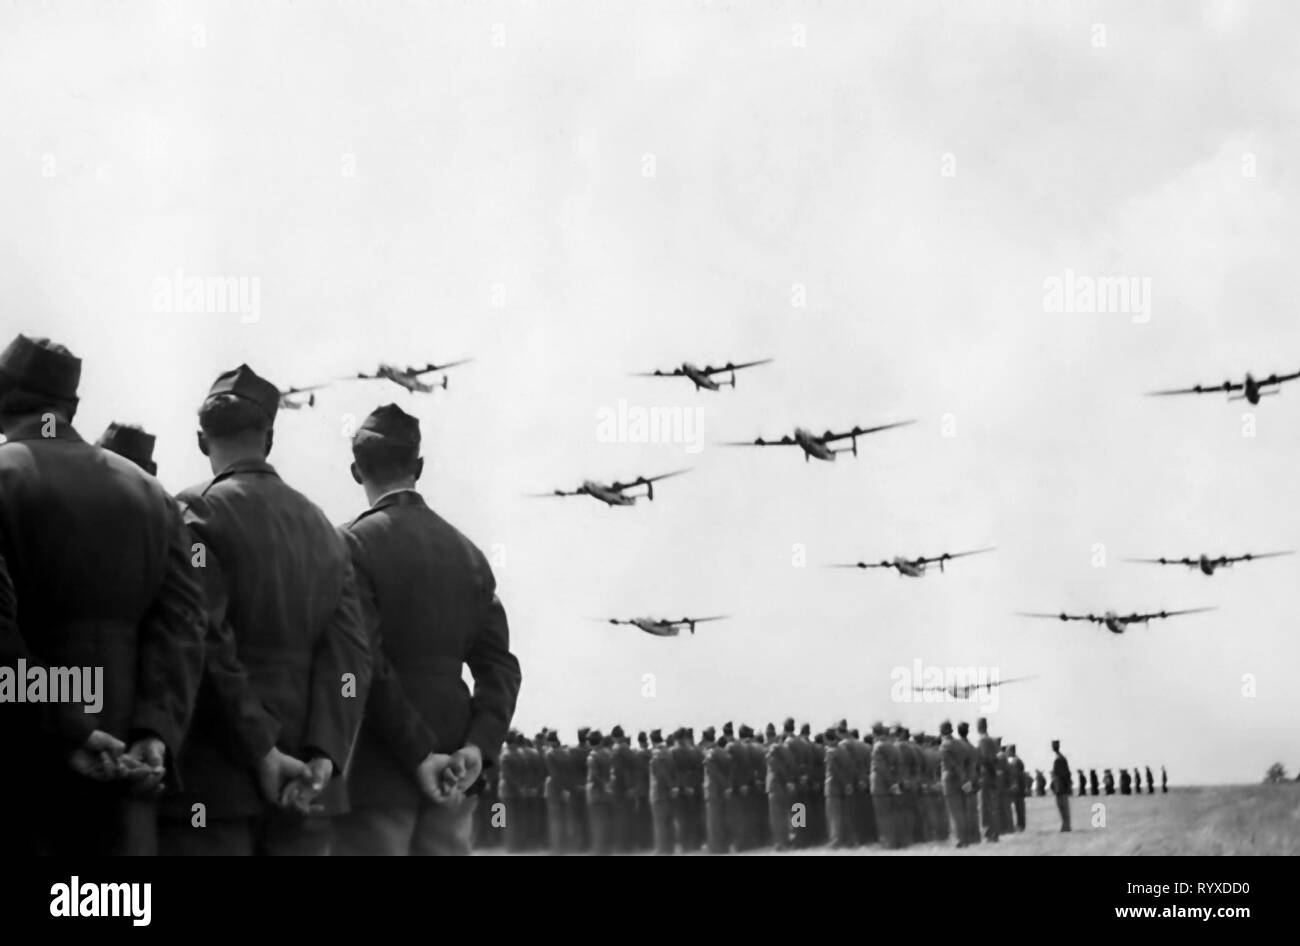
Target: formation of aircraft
[409,377]
[1252,389]
[288,400]
[703,377]
[1115,623]
[964,691]
[661,627]
[819,447]
[913,567]
[1208,565]
[615,494]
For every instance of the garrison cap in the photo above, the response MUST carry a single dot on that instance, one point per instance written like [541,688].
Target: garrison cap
[1056,745]
[805,729]
[771,729]
[553,737]
[391,425]
[244,382]
[640,738]
[656,735]
[130,441]
[617,732]
[709,733]
[727,729]
[594,737]
[789,724]
[41,367]
[831,735]
[746,731]
[945,728]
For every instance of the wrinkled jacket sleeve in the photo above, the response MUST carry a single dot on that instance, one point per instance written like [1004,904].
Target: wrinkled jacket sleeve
[170,646]
[250,729]
[68,723]
[496,676]
[389,712]
[335,712]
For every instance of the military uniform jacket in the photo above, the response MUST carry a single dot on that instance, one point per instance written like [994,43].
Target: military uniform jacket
[1016,775]
[971,757]
[663,773]
[952,766]
[782,770]
[841,769]
[640,781]
[96,574]
[861,753]
[988,763]
[885,768]
[600,775]
[556,759]
[742,773]
[717,772]
[624,774]
[1061,776]
[757,766]
[431,607]
[287,659]
[512,777]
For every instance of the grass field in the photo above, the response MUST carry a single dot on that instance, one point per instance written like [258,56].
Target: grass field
[1237,820]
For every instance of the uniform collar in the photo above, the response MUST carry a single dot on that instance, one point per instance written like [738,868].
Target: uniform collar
[32,427]
[406,496]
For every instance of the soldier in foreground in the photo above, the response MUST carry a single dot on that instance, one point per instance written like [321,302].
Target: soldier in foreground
[288,664]
[1061,784]
[426,741]
[130,441]
[137,614]
[971,786]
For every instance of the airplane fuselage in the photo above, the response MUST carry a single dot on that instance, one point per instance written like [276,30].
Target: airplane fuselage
[701,379]
[1114,623]
[812,447]
[609,497]
[1207,566]
[657,628]
[910,569]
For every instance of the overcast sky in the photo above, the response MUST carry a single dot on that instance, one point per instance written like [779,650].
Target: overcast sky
[876,196]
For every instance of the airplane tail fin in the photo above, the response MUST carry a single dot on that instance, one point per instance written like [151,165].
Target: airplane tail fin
[311,400]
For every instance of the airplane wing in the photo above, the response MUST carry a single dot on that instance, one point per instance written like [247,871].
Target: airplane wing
[716,617]
[675,373]
[786,441]
[1163,561]
[360,375]
[1251,556]
[830,437]
[1005,680]
[1143,618]
[733,367]
[642,480]
[1062,616]
[432,367]
[1200,389]
[861,565]
[553,493]
[310,387]
[1279,378]
[949,556]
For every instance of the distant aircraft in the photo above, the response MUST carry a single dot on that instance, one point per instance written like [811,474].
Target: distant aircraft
[912,567]
[409,378]
[613,494]
[1115,623]
[664,628]
[1206,564]
[1253,389]
[815,446]
[287,399]
[702,377]
[964,691]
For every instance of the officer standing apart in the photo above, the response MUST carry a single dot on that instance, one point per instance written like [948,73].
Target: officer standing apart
[1061,784]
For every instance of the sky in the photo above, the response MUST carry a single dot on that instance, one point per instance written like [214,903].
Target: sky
[876,196]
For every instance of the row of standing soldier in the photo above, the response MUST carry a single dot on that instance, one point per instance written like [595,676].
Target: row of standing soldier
[740,791]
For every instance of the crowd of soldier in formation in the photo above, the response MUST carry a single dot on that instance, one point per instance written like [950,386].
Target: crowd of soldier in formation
[739,791]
